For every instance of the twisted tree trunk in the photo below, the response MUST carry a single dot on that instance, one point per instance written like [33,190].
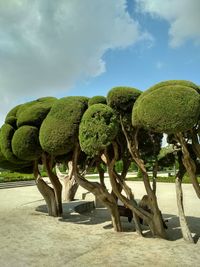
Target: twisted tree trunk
[189,163]
[46,191]
[100,191]
[179,196]
[69,183]
[57,187]
[156,223]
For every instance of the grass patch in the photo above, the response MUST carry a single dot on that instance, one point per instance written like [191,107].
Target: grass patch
[15,176]
[170,179]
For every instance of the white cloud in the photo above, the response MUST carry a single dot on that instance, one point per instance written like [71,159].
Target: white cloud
[182,15]
[48,45]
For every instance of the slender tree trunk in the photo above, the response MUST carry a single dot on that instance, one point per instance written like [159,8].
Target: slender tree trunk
[195,142]
[156,226]
[46,191]
[48,195]
[155,171]
[69,184]
[57,187]
[100,192]
[70,187]
[115,217]
[183,223]
[128,202]
[179,195]
[101,173]
[189,164]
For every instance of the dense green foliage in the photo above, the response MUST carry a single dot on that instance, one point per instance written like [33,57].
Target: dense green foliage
[97,100]
[33,113]
[174,83]
[6,135]
[11,117]
[168,109]
[59,130]
[5,164]
[25,143]
[98,129]
[121,99]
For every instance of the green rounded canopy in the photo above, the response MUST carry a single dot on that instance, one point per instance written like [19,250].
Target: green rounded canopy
[122,98]
[59,129]
[168,109]
[98,129]
[25,143]
[33,113]
[6,135]
[97,100]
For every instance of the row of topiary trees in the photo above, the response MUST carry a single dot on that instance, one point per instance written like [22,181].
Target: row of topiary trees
[127,125]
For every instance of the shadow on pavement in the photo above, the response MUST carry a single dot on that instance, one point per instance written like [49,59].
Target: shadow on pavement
[91,215]
[174,230]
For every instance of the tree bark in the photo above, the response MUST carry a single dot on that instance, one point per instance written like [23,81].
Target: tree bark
[183,223]
[156,225]
[189,164]
[57,187]
[69,183]
[46,191]
[100,192]
[155,171]
[101,173]
[179,196]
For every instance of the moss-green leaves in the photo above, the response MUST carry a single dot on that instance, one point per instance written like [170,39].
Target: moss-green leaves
[98,129]
[6,135]
[25,143]
[59,130]
[170,109]
[122,99]
[34,112]
[97,100]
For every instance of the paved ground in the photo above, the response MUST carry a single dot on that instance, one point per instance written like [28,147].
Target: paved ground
[28,237]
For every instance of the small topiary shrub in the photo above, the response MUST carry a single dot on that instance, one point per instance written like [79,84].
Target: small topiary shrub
[98,129]
[97,100]
[25,143]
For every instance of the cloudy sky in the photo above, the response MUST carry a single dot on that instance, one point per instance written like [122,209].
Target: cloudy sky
[67,47]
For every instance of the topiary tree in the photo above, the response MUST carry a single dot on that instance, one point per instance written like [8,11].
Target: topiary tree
[21,144]
[98,128]
[172,107]
[122,100]
[58,136]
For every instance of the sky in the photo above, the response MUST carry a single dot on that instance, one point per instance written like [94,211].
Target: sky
[64,47]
